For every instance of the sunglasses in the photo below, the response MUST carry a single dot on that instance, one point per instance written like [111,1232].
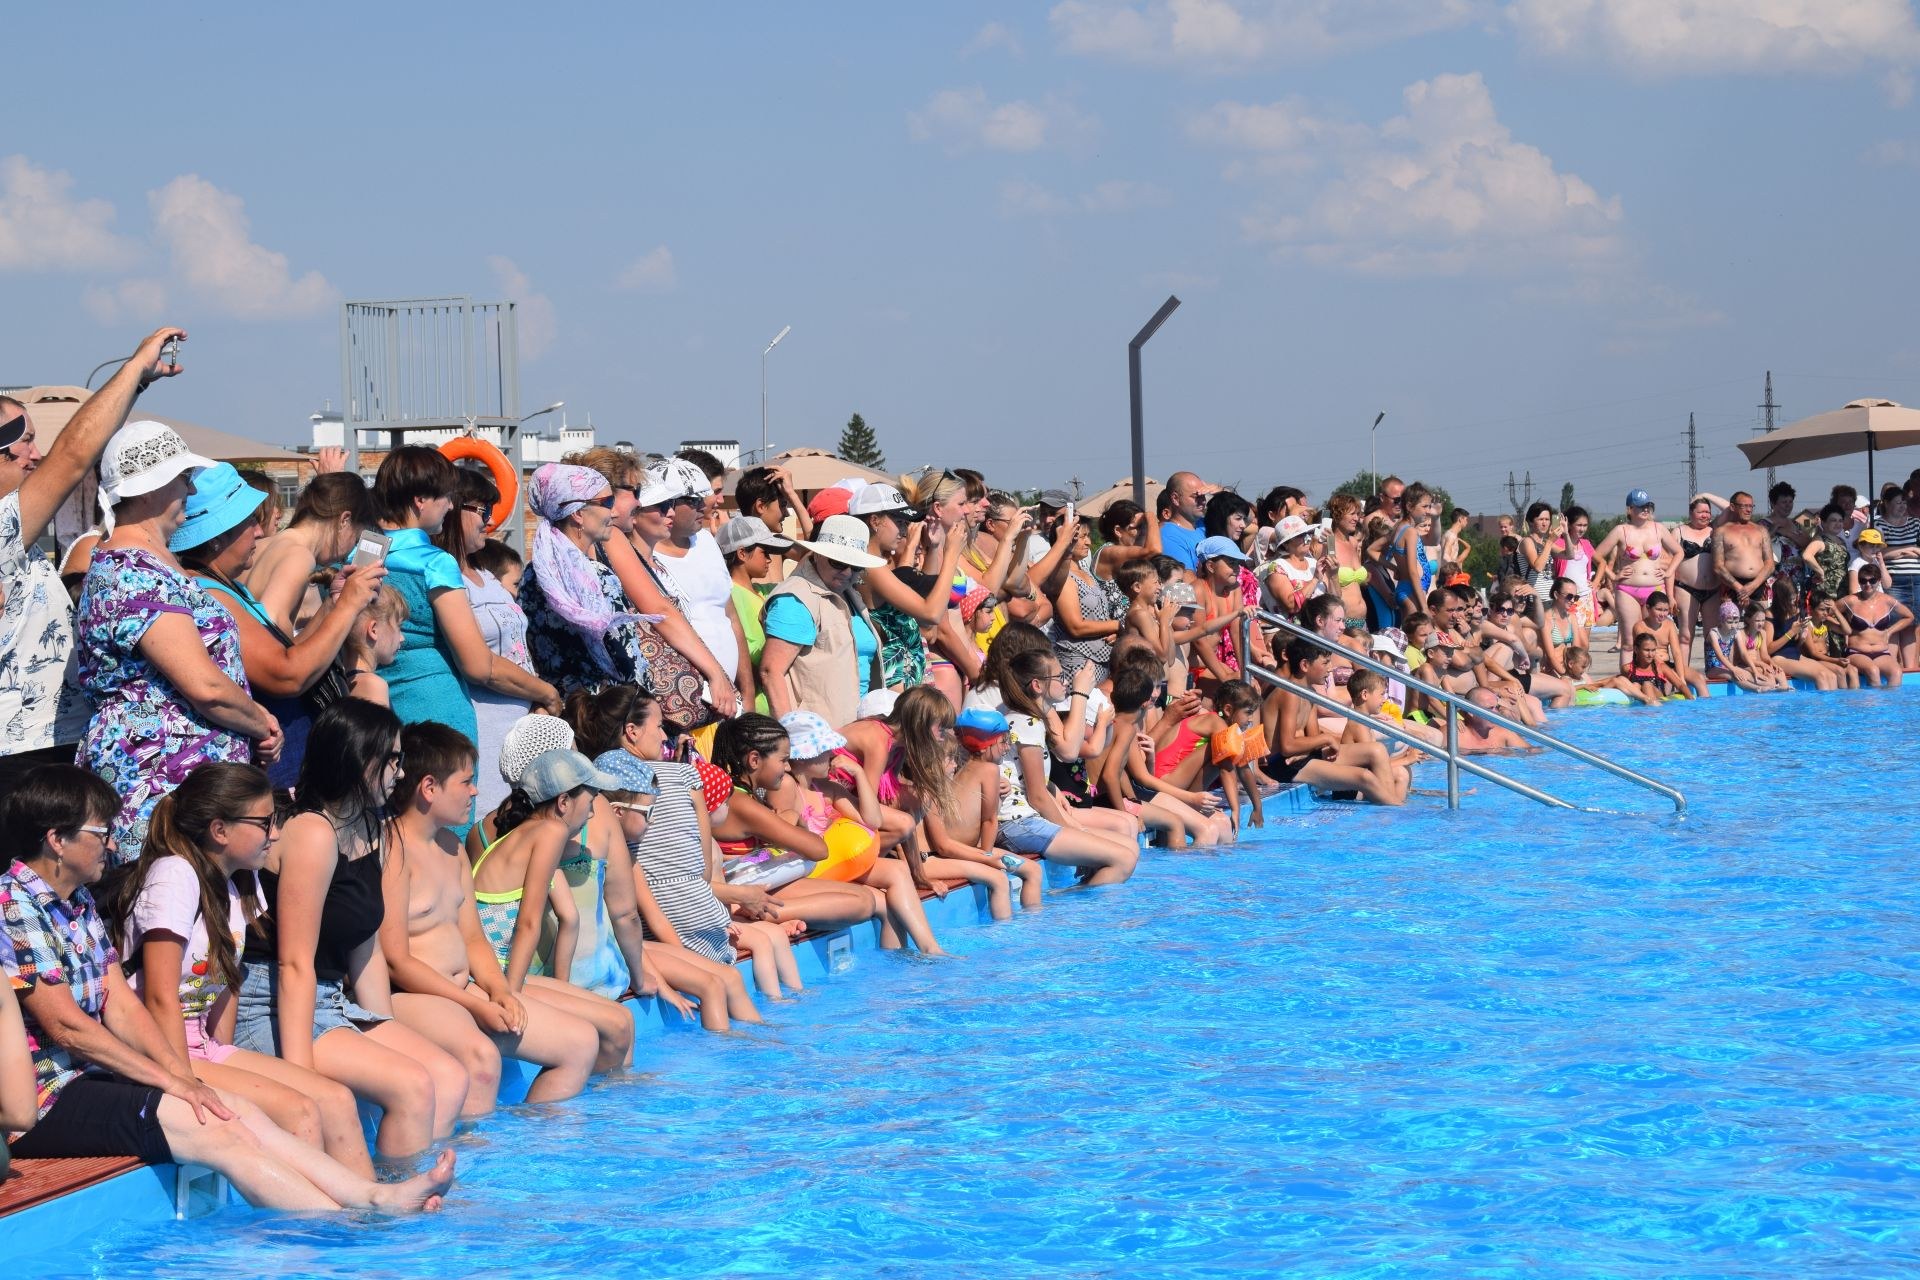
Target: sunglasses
[1503,611]
[268,825]
[480,509]
[644,810]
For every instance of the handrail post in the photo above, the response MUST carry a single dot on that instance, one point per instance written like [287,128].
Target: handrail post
[1453,756]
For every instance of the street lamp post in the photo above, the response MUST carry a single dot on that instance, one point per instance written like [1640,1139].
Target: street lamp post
[1133,395]
[1373,444]
[763,384]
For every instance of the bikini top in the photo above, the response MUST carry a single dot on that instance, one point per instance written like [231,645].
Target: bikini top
[1688,550]
[1350,577]
[1865,624]
[1634,553]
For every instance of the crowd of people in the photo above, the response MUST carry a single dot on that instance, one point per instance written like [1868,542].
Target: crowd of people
[351,807]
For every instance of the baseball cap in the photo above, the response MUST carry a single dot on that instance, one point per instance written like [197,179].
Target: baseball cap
[143,456]
[742,532]
[843,539]
[810,735]
[1639,498]
[1872,537]
[554,773]
[831,501]
[874,498]
[1220,545]
[632,773]
[221,500]
[1054,498]
[673,478]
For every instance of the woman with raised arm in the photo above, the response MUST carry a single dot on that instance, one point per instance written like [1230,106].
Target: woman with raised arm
[294,678]
[326,522]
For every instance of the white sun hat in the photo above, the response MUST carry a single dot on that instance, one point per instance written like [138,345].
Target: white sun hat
[143,456]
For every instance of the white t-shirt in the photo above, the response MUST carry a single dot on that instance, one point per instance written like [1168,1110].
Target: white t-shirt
[1022,731]
[1038,548]
[41,704]
[701,580]
[170,902]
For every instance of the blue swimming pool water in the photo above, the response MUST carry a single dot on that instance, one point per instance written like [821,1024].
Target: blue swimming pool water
[1497,1042]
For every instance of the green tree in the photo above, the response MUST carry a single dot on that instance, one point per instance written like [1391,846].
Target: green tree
[858,444]
[1566,495]
[1362,487]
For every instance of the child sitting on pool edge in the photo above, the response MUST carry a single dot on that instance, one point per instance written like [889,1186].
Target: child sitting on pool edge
[965,842]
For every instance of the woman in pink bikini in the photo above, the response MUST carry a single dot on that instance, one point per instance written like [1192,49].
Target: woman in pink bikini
[1639,558]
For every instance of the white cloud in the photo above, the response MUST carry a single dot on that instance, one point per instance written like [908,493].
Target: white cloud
[1022,198]
[206,235]
[1897,85]
[43,228]
[962,119]
[140,299]
[1894,153]
[994,35]
[651,272]
[1686,37]
[1222,35]
[533,311]
[1441,188]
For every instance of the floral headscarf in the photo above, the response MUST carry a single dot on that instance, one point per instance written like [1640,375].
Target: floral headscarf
[567,578]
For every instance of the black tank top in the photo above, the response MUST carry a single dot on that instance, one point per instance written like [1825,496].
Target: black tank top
[352,913]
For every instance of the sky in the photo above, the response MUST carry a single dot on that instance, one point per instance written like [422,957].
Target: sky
[1537,234]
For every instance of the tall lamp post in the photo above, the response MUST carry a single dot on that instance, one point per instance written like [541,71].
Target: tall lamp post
[1133,395]
[1373,447]
[763,384]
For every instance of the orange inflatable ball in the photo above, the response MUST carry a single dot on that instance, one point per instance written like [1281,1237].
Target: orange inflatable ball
[851,851]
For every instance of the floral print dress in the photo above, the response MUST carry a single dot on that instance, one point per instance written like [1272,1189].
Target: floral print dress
[144,737]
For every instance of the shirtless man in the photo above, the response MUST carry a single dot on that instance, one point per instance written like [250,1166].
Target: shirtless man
[1666,640]
[1479,737]
[431,935]
[1742,551]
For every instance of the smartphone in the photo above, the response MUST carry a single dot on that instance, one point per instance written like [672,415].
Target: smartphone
[1069,513]
[170,353]
[373,545]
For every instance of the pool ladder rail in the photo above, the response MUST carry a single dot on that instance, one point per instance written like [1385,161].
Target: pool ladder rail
[1456,762]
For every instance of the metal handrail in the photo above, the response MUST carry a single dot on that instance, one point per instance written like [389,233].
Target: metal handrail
[1455,761]
[1457,703]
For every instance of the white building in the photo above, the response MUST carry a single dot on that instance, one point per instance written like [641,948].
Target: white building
[536,446]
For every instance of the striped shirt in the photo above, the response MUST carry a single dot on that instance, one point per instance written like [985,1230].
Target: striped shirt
[1904,534]
[675,860]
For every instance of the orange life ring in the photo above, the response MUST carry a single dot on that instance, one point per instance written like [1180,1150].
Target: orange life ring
[505,479]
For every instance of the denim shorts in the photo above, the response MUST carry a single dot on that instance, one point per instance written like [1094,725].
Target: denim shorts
[1031,834]
[256,1027]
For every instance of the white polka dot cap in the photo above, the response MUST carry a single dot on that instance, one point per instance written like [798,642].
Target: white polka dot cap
[532,736]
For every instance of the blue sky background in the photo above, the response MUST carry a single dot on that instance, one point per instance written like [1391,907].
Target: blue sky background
[966,210]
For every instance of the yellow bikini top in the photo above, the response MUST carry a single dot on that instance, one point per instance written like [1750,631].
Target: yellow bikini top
[1350,577]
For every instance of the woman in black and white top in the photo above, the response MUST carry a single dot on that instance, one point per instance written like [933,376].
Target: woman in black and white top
[1901,531]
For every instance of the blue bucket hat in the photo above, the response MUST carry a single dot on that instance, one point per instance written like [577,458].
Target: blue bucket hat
[1219,545]
[221,500]
[633,773]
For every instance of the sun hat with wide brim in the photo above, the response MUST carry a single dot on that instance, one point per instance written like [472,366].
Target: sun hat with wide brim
[221,500]
[143,456]
[842,539]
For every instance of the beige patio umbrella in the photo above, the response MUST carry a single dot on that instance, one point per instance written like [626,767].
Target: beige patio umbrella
[816,469]
[1094,505]
[1862,426]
